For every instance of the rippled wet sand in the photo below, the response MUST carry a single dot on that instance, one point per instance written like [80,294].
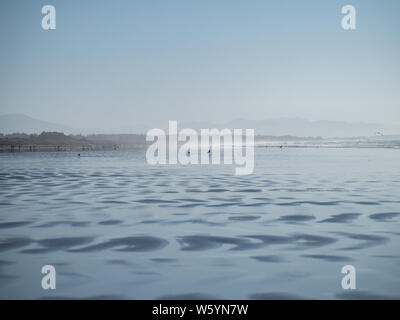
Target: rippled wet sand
[115,227]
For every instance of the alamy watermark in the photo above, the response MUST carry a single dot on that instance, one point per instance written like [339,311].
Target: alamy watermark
[190,147]
[49,20]
[349,280]
[49,280]
[349,20]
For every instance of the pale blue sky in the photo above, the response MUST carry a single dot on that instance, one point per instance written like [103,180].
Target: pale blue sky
[120,63]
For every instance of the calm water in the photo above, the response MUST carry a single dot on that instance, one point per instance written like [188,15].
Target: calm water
[115,227]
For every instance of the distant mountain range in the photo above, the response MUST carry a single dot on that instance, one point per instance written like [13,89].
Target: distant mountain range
[306,128]
[301,128]
[20,123]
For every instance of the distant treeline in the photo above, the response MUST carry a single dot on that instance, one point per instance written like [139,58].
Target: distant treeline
[57,141]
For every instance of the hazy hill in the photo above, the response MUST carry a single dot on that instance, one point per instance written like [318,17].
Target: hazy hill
[20,123]
[305,128]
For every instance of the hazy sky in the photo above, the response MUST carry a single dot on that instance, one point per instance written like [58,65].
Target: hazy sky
[120,63]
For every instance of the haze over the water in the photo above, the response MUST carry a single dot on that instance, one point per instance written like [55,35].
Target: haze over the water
[118,64]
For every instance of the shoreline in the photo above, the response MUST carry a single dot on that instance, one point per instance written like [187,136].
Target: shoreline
[59,142]
[53,149]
